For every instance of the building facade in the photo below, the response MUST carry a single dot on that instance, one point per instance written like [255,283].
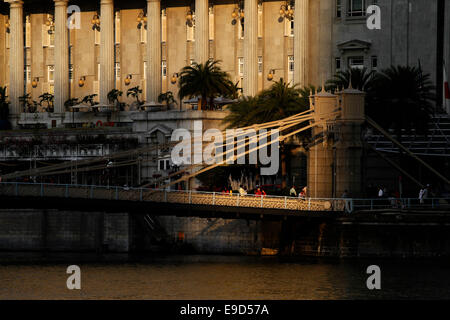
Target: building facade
[73,49]
[46,47]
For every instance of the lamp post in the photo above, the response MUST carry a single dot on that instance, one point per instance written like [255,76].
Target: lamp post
[271,73]
[81,81]
[96,22]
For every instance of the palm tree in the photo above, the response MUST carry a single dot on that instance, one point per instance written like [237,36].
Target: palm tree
[234,91]
[113,97]
[167,97]
[48,99]
[205,80]
[134,92]
[70,103]
[240,114]
[279,101]
[25,101]
[89,99]
[361,79]
[401,98]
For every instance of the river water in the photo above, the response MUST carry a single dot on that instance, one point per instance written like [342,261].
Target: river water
[220,277]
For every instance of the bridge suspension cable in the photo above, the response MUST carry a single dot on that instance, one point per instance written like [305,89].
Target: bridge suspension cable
[399,145]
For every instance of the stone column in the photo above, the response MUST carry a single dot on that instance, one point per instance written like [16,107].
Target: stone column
[301,44]
[321,155]
[201,31]
[251,48]
[153,50]
[106,49]
[16,55]
[349,148]
[61,55]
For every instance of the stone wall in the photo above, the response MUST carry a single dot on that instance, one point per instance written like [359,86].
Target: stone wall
[53,230]
[222,236]
[388,235]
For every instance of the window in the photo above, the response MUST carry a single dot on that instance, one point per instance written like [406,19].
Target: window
[97,37]
[117,70]
[144,67]
[338,64]
[260,65]
[289,27]
[70,72]
[356,8]
[51,79]
[163,164]
[70,63]
[48,33]
[211,23]
[356,62]
[164,68]
[52,39]
[143,35]
[27,32]
[374,62]
[241,66]
[190,30]
[241,29]
[7,38]
[163,26]
[117,29]
[338,8]
[27,73]
[260,20]
[290,69]
[51,74]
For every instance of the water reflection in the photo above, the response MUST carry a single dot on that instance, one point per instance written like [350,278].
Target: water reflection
[223,277]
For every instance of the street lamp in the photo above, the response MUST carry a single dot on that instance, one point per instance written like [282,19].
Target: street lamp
[128,79]
[50,23]
[142,20]
[35,81]
[174,78]
[7,25]
[190,18]
[81,81]
[286,11]
[96,22]
[238,13]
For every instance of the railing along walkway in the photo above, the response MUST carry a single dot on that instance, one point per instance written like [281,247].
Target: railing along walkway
[211,198]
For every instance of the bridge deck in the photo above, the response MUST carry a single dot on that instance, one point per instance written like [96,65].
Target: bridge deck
[212,201]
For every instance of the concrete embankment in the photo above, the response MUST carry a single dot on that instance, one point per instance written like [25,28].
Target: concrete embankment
[390,234]
[365,234]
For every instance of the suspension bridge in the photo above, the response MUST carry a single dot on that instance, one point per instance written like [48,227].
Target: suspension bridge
[331,118]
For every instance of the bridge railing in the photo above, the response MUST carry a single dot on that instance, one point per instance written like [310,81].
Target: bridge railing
[214,198]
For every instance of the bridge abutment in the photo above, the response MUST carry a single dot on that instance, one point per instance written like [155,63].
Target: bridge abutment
[334,161]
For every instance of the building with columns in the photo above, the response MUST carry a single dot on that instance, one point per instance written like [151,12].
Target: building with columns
[72,49]
[46,44]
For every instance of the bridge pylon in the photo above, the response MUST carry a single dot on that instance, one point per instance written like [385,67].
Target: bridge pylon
[334,160]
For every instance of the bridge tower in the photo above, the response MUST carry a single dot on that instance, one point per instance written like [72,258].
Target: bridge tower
[334,160]
[320,157]
[348,144]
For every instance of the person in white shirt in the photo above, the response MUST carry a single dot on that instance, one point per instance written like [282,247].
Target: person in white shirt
[242,191]
[421,195]
[292,192]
